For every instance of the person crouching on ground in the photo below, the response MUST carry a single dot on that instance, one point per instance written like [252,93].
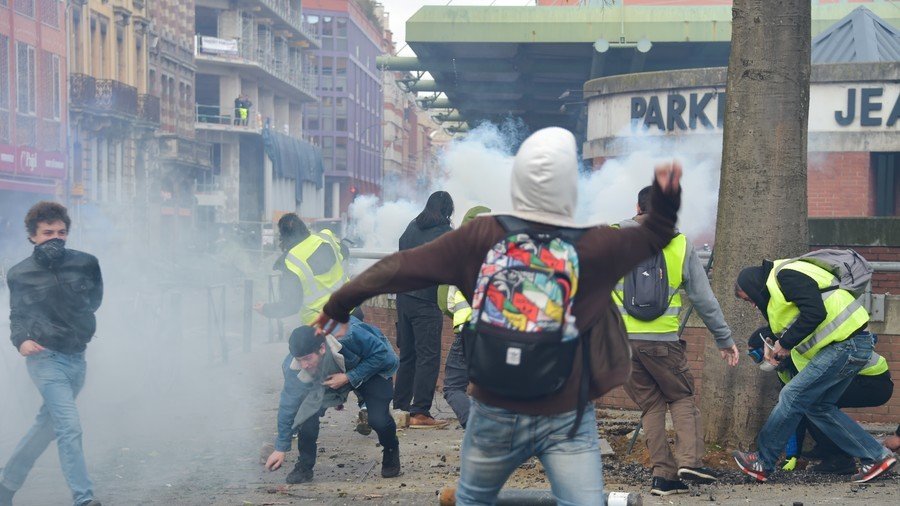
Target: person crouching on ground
[823,330]
[319,373]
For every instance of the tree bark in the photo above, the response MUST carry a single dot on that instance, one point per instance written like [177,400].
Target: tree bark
[762,210]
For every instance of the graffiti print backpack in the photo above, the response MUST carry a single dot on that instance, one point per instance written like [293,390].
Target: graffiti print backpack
[521,339]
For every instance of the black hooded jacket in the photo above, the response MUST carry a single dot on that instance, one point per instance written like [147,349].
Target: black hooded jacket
[413,237]
[54,305]
[798,288]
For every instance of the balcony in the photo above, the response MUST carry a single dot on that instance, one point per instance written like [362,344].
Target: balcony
[283,13]
[100,96]
[148,108]
[255,56]
[212,117]
[185,151]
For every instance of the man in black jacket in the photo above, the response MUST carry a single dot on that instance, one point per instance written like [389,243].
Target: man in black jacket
[53,296]
[420,322]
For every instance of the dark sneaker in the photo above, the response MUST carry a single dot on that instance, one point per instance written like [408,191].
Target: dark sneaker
[874,469]
[6,496]
[662,486]
[750,465]
[299,475]
[390,462]
[817,452]
[835,465]
[362,422]
[697,474]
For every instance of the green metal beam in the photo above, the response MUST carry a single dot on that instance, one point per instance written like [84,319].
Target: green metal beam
[448,24]
[463,65]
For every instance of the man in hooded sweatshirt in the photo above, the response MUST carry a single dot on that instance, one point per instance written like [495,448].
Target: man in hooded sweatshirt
[419,322]
[660,378]
[503,432]
[54,294]
[823,331]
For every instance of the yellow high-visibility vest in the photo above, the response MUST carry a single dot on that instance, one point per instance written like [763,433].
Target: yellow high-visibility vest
[316,289]
[845,314]
[674,254]
[459,307]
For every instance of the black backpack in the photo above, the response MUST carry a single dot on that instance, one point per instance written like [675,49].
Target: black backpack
[646,289]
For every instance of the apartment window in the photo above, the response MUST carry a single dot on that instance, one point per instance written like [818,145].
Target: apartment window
[4,72]
[327,26]
[25,7]
[4,88]
[342,27]
[50,12]
[886,174]
[25,75]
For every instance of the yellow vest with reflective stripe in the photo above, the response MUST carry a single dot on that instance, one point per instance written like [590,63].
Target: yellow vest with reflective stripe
[844,316]
[459,307]
[875,366]
[673,254]
[316,289]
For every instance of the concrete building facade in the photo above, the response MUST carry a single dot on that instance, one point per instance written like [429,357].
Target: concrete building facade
[255,49]
[113,116]
[33,106]
[347,122]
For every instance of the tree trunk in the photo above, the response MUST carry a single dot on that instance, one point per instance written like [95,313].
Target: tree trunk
[762,209]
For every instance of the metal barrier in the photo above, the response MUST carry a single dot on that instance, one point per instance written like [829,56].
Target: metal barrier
[215,321]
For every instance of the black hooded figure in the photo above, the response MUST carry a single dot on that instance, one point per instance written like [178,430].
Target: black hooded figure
[420,321]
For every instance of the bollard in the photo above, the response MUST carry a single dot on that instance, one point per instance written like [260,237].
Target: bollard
[537,497]
[248,314]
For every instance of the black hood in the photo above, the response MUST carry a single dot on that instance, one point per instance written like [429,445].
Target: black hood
[752,280]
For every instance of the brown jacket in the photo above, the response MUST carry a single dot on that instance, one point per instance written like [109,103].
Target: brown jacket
[605,254]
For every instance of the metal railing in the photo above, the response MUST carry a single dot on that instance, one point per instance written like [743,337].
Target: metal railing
[213,114]
[262,55]
[293,18]
[93,94]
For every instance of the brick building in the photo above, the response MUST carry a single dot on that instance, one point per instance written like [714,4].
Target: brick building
[178,161]
[33,108]
[854,134]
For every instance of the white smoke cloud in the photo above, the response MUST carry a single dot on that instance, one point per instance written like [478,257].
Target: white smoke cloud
[476,171]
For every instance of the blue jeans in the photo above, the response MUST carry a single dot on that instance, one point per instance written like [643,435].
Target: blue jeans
[456,380]
[814,392]
[497,441]
[59,377]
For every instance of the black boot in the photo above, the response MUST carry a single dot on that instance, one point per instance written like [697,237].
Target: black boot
[6,496]
[390,462]
[300,474]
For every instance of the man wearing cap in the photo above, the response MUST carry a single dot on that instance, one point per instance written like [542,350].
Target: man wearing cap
[319,373]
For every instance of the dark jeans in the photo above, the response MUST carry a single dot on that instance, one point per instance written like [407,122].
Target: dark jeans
[863,392]
[419,339]
[456,380]
[377,392]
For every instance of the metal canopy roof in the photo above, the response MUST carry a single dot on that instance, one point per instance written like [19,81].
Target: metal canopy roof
[860,37]
[531,62]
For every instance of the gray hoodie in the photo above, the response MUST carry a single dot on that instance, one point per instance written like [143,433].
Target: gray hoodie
[696,287]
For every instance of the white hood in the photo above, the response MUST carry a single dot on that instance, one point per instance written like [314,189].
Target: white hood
[545,178]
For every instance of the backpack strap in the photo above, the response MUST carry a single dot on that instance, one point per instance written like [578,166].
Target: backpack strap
[583,386]
[513,224]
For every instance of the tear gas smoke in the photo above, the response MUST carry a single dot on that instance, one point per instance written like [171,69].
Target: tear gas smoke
[476,171]
[159,403]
